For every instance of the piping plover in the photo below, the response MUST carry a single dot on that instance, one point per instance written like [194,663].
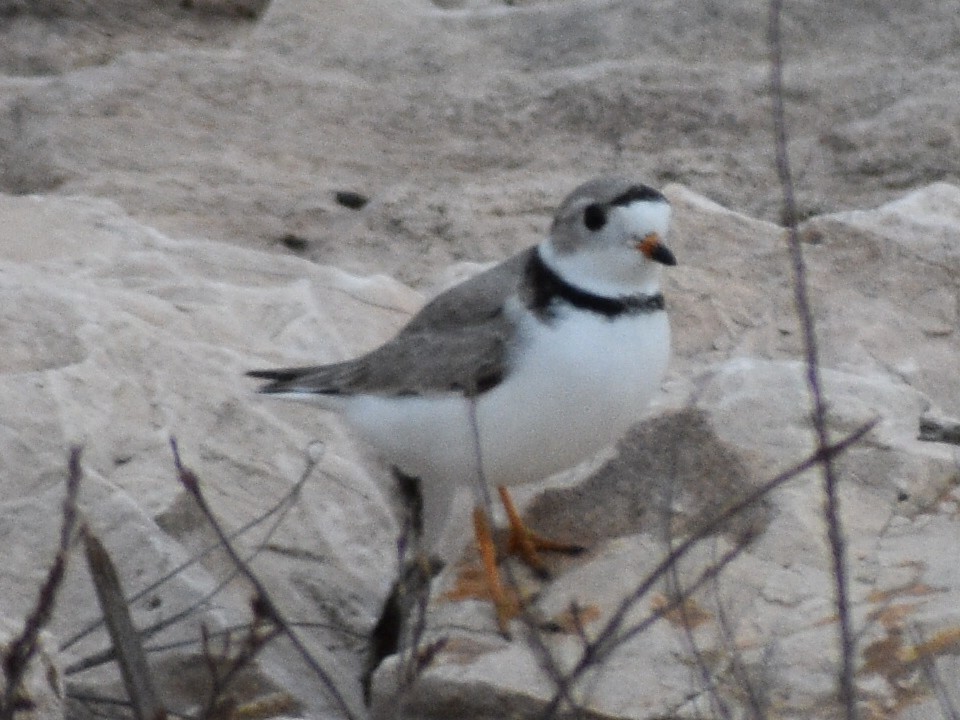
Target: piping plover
[521,371]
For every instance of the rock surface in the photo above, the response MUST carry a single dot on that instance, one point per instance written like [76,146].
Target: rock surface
[171,218]
[735,413]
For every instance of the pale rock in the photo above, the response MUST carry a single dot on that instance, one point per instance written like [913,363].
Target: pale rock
[737,422]
[146,325]
[148,338]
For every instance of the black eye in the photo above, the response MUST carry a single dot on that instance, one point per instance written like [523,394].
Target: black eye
[594,217]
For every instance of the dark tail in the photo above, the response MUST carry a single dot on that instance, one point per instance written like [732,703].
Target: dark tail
[283,375]
[279,379]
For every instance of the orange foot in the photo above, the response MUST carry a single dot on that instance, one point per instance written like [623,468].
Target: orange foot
[523,543]
[506,604]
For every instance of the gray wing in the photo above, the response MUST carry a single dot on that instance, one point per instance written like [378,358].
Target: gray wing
[459,341]
[474,301]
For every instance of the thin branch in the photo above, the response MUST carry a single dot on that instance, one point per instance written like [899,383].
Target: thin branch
[233,629]
[20,652]
[282,506]
[600,649]
[544,656]
[756,701]
[257,635]
[831,501]
[482,488]
[708,679]
[709,574]
[611,636]
[267,608]
[281,509]
[87,697]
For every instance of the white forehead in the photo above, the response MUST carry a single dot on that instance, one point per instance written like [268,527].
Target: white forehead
[644,216]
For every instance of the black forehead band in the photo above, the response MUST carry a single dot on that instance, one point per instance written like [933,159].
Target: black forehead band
[638,193]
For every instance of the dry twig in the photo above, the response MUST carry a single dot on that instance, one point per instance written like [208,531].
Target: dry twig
[280,508]
[613,633]
[819,412]
[22,649]
[266,608]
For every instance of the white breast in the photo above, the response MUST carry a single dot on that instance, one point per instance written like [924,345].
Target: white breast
[576,386]
[580,384]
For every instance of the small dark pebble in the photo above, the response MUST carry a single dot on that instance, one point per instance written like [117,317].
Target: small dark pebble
[295,242]
[351,199]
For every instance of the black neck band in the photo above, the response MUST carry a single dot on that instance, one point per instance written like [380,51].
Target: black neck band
[548,288]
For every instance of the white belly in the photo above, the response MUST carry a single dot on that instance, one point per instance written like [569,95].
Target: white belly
[576,387]
[582,384]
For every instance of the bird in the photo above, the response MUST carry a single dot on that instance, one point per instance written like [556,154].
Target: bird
[519,372]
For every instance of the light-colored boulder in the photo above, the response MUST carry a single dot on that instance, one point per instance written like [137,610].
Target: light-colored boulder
[138,339]
[119,337]
[741,414]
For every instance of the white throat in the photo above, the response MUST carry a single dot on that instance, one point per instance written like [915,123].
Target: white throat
[608,262]
[602,271]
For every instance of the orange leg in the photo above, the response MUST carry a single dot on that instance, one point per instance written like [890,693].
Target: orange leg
[525,543]
[505,606]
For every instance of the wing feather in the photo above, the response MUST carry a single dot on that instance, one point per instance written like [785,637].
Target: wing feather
[460,341]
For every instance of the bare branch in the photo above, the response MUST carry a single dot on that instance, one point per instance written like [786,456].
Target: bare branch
[265,605]
[224,666]
[22,649]
[757,702]
[612,635]
[533,636]
[831,502]
[282,506]
[688,624]
[929,669]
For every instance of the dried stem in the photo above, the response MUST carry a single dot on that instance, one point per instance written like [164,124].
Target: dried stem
[831,501]
[22,649]
[613,634]
[282,507]
[266,608]
[126,641]
[929,669]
